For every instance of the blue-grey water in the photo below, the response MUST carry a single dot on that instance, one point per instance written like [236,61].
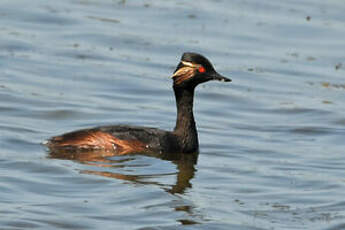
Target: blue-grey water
[272,142]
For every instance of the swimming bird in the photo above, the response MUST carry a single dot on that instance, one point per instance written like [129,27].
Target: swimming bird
[192,70]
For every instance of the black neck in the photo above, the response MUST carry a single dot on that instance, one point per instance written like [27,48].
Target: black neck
[185,128]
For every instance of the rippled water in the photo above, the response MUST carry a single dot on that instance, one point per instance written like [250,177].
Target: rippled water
[272,142]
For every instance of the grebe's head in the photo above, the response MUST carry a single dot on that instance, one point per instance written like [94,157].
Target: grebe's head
[195,69]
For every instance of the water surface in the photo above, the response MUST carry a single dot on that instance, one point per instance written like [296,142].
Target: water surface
[272,141]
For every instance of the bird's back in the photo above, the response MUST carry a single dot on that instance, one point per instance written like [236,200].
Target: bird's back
[120,139]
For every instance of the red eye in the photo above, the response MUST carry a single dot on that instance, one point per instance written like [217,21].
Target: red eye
[201,69]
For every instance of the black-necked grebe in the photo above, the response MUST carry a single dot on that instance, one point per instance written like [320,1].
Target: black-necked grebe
[192,70]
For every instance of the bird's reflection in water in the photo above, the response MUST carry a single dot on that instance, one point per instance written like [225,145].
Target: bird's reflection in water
[185,164]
